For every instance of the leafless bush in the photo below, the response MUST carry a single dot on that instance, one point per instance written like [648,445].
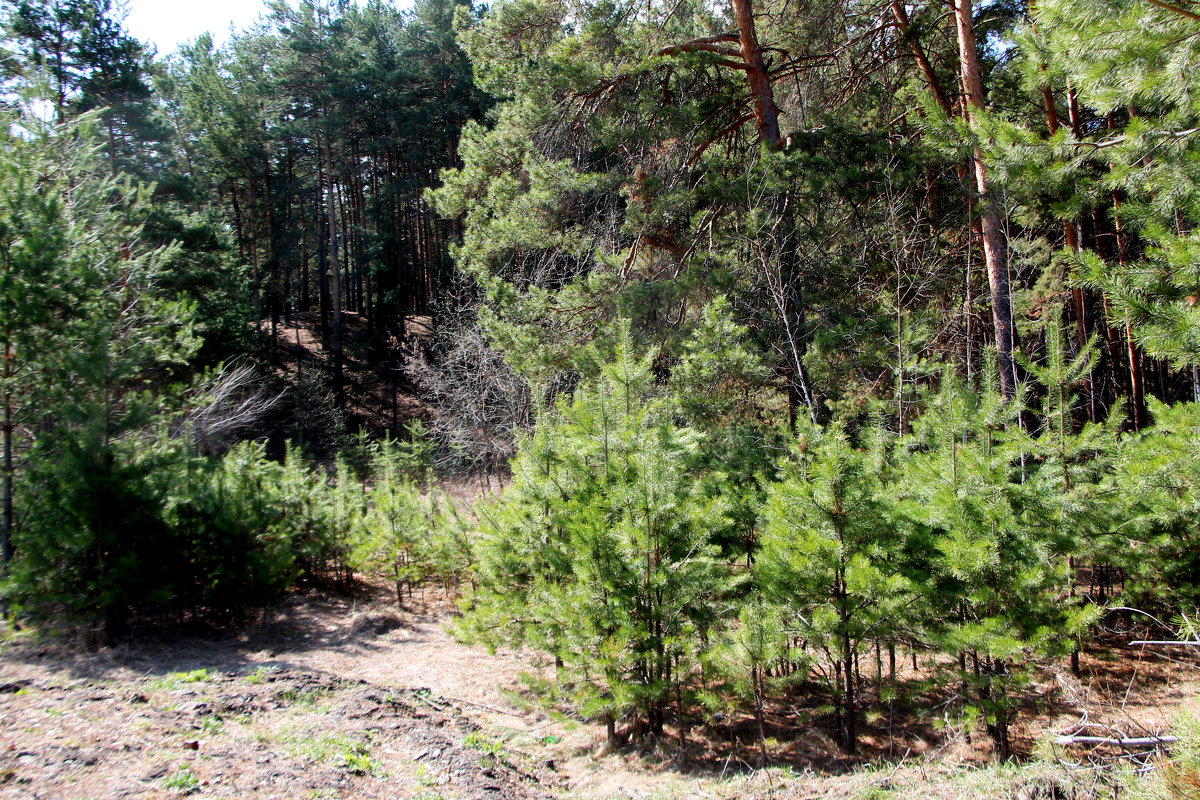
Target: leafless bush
[480,402]
[232,402]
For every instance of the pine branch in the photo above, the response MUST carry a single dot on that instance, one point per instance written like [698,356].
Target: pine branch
[1176,9]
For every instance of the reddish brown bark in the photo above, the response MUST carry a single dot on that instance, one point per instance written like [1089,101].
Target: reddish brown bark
[926,66]
[766,114]
[994,247]
[1137,397]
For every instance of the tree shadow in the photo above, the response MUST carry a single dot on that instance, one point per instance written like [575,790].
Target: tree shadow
[305,622]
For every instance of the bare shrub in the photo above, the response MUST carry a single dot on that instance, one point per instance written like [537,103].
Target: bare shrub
[480,402]
[232,401]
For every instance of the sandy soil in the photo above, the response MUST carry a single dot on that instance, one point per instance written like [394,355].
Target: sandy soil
[333,697]
[335,702]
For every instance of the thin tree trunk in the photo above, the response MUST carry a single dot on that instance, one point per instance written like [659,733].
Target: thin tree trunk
[994,248]
[757,678]
[322,241]
[7,518]
[849,728]
[273,280]
[238,228]
[335,277]
[1071,241]
[252,244]
[1137,398]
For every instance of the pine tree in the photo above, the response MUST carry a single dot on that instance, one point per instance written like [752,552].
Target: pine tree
[745,655]
[600,552]
[1154,543]
[395,533]
[1074,465]
[93,65]
[830,556]
[997,573]
[90,355]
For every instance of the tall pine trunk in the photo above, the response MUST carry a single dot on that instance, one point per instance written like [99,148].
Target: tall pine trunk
[766,114]
[766,117]
[7,517]
[335,274]
[994,247]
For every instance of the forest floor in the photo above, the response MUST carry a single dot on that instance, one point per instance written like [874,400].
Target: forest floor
[338,697]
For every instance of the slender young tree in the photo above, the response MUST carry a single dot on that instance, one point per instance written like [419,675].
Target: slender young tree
[829,556]
[602,553]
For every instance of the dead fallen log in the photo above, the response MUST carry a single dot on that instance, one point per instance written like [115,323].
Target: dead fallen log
[1141,741]
[1179,644]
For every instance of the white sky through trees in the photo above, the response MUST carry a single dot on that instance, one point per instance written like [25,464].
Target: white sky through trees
[169,23]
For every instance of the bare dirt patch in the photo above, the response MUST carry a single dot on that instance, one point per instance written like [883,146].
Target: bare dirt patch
[334,701]
[337,697]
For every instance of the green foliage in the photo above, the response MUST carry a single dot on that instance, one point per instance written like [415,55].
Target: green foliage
[120,518]
[963,535]
[90,352]
[257,526]
[664,289]
[1156,298]
[1155,540]
[998,567]
[591,198]
[718,373]
[393,534]
[1120,53]
[92,65]
[746,651]
[743,656]
[1131,156]
[182,781]
[361,101]
[86,333]
[404,527]
[146,529]
[833,555]
[93,544]
[600,553]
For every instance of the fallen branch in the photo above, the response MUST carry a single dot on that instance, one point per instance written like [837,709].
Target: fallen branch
[1143,741]
[1179,644]
[492,709]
